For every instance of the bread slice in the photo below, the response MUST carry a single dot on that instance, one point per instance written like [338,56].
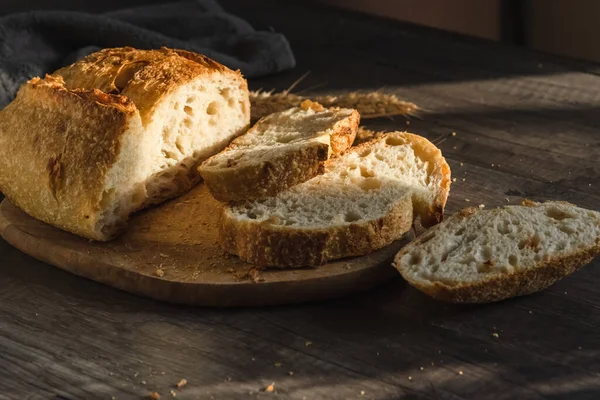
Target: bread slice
[484,256]
[123,130]
[366,199]
[280,151]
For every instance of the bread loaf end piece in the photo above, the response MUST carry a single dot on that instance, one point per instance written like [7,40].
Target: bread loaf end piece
[73,158]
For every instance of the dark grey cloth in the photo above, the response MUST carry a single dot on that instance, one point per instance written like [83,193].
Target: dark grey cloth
[39,42]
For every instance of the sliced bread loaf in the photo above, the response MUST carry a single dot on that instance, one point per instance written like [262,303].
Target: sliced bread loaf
[366,199]
[115,132]
[280,151]
[484,256]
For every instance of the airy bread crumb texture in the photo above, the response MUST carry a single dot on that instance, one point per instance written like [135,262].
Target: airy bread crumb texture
[363,184]
[187,108]
[482,248]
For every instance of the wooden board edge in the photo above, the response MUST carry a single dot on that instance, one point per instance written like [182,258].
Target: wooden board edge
[195,294]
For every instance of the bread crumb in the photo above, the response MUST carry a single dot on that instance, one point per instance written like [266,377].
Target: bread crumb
[410,378]
[278,364]
[481,206]
[467,200]
[453,179]
[181,383]
[492,165]
[160,273]
[308,343]
[507,199]
[421,368]
[254,275]
[495,335]
[291,373]
[143,382]
[173,393]
[407,122]
[460,372]
[528,203]
[463,179]
[362,392]
[461,164]
[453,133]
[313,105]
[154,396]
[270,388]
[163,255]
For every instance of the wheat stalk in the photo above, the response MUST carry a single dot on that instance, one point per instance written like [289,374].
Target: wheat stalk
[369,105]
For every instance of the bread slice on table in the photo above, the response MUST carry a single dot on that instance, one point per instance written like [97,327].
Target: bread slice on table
[484,256]
[366,199]
[122,129]
[280,151]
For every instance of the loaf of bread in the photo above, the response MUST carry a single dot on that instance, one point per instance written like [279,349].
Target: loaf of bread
[479,256]
[115,132]
[366,199]
[280,151]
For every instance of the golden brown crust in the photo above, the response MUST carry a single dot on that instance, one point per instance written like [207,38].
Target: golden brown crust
[268,244]
[48,167]
[144,76]
[344,133]
[511,285]
[266,179]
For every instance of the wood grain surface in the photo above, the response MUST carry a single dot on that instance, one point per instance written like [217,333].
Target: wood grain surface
[171,253]
[527,125]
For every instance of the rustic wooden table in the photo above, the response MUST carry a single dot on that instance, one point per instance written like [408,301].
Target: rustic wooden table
[527,125]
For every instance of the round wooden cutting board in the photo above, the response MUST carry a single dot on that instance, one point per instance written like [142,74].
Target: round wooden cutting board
[171,253]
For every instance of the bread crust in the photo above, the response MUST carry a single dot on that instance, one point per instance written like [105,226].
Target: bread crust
[266,179]
[47,167]
[271,245]
[497,288]
[144,76]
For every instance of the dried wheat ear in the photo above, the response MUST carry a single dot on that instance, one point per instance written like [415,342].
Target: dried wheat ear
[369,104]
